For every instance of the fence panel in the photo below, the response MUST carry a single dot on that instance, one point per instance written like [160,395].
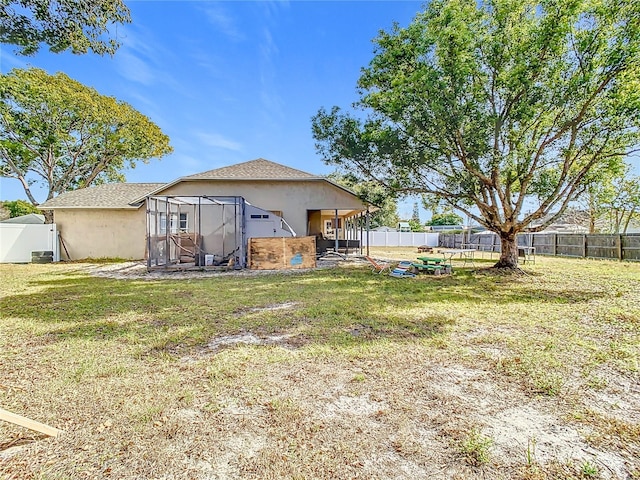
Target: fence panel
[630,247]
[607,246]
[570,245]
[400,239]
[544,243]
[450,240]
[602,246]
[17,241]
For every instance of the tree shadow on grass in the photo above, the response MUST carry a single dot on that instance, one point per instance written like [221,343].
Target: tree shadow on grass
[333,305]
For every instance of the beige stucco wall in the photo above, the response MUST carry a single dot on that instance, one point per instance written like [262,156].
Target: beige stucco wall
[96,233]
[93,233]
[293,199]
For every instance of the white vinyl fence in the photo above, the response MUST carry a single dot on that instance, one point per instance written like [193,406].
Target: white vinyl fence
[400,239]
[17,241]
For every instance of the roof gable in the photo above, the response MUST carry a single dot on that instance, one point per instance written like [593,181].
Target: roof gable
[131,195]
[259,169]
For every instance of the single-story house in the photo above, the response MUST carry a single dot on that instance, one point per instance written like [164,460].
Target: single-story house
[403,227]
[112,220]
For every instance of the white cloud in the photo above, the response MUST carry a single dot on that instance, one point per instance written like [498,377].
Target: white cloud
[9,61]
[222,21]
[134,68]
[216,140]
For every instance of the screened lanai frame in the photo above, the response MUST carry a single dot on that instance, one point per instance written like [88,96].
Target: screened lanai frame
[186,231]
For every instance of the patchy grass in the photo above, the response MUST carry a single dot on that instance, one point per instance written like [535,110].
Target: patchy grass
[333,373]
[475,448]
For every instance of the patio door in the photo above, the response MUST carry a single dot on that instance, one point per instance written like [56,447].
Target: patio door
[329,231]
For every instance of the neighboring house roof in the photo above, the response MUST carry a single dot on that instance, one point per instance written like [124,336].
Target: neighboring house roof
[383,228]
[28,219]
[107,195]
[566,228]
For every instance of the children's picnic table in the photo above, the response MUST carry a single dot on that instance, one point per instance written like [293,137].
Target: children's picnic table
[430,264]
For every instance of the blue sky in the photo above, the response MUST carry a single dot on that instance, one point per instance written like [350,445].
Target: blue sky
[230,81]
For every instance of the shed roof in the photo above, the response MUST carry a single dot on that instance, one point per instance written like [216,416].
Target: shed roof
[29,218]
[107,195]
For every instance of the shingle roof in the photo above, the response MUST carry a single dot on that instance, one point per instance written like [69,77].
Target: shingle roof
[259,169]
[108,195]
[130,195]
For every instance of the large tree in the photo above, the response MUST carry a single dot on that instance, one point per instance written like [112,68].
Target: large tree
[78,25]
[66,135]
[490,105]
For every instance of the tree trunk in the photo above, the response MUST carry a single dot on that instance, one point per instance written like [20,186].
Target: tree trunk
[48,216]
[508,252]
[628,220]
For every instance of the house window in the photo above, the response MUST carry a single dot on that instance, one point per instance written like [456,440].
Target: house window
[162,227]
[175,223]
[184,222]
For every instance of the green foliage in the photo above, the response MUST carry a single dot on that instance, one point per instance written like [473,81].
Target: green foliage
[18,208]
[445,219]
[373,193]
[589,470]
[416,213]
[612,201]
[415,225]
[75,25]
[494,104]
[59,132]
[475,447]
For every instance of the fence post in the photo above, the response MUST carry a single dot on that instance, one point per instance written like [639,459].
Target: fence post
[619,246]
[584,246]
[554,240]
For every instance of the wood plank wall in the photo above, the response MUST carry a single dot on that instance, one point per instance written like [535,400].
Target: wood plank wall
[282,253]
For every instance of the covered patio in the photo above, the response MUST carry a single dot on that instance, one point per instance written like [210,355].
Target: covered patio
[339,230]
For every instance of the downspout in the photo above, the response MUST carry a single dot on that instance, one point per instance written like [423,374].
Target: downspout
[243,233]
[147,203]
[167,228]
[368,222]
[336,232]
[361,223]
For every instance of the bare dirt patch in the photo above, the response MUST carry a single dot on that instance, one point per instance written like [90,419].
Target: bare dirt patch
[329,375]
[138,270]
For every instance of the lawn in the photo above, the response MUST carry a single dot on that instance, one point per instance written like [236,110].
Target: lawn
[331,373]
